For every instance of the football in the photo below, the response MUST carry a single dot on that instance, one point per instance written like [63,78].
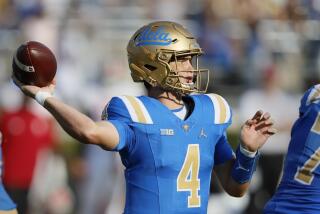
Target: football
[34,64]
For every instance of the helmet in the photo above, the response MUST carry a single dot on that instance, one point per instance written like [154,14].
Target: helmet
[151,49]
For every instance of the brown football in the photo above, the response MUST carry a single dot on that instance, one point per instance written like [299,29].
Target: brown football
[34,64]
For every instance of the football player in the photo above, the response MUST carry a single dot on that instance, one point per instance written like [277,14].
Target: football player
[170,140]
[6,204]
[299,189]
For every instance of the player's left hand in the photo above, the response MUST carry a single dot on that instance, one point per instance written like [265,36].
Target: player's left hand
[256,131]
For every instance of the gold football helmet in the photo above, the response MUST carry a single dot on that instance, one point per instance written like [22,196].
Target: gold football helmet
[154,46]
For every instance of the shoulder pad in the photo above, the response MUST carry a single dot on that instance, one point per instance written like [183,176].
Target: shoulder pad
[222,110]
[311,96]
[136,109]
[115,110]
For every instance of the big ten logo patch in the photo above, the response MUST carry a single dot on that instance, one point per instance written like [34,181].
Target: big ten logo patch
[167,132]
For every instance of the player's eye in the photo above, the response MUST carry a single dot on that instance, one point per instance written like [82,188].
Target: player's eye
[184,59]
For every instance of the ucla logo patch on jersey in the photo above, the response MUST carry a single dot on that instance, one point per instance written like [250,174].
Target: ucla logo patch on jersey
[151,37]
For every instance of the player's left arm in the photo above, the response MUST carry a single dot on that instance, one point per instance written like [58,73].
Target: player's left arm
[224,172]
[236,173]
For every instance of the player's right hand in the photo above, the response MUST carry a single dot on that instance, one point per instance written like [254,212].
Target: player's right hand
[31,90]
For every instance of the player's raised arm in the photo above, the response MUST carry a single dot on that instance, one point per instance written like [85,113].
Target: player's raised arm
[235,175]
[75,123]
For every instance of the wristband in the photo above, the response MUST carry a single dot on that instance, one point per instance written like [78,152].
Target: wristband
[41,97]
[247,153]
[244,166]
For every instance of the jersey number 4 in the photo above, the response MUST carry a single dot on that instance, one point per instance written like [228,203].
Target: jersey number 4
[188,178]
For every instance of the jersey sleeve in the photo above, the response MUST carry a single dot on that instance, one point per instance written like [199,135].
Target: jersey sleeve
[222,113]
[218,112]
[223,151]
[312,95]
[116,113]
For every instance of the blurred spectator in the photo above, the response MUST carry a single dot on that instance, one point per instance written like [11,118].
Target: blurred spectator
[25,134]
[6,204]
[214,37]
[313,7]
[168,10]
[50,192]
[222,203]
[270,97]
[100,177]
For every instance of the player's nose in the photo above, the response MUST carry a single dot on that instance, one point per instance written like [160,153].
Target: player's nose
[188,65]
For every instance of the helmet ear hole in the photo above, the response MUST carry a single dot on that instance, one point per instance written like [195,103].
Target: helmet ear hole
[150,67]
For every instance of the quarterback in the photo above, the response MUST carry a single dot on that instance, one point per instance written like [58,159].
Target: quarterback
[170,140]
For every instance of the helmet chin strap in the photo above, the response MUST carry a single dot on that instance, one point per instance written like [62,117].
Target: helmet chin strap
[172,99]
[160,93]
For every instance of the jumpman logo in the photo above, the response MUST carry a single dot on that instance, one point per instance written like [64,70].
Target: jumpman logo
[241,167]
[202,134]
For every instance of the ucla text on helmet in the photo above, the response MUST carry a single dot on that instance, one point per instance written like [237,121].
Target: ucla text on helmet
[158,37]
[154,46]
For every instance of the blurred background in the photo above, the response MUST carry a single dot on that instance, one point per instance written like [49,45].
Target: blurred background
[261,54]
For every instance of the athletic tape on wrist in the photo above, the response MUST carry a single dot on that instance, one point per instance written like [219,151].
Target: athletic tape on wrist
[41,97]
[246,152]
[244,167]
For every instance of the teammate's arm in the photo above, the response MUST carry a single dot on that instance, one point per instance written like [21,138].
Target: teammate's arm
[75,123]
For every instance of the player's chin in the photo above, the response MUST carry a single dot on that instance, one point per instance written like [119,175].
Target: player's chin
[188,85]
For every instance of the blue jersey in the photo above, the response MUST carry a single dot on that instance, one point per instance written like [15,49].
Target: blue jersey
[299,189]
[169,161]
[5,201]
